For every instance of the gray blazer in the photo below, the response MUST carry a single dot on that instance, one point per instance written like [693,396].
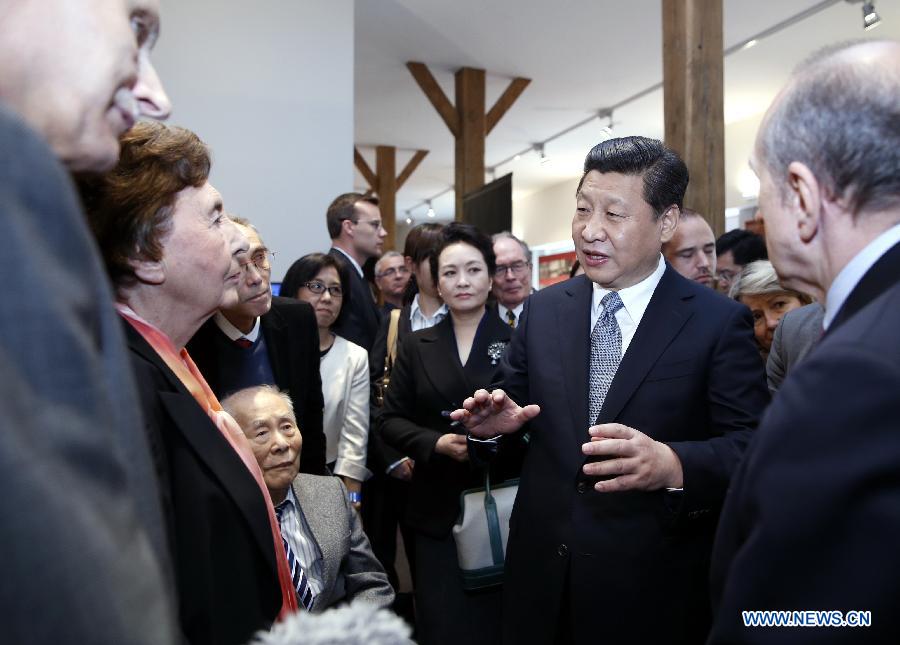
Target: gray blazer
[795,336]
[351,571]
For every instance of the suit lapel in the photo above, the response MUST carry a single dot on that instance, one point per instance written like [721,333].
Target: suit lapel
[481,369]
[666,314]
[440,362]
[317,518]
[574,333]
[210,447]
[274,330]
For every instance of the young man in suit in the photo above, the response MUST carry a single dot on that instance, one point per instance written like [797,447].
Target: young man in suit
[692,249]
[647,388]
[811,520]
[322,533]
[262,339]
[354,224]
[82,522]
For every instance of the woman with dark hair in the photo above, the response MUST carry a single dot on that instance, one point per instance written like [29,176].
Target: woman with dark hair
[436,369]
[324,282]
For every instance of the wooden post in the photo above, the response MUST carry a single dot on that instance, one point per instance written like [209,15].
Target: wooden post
[386,183]
[693,100]
[467,120]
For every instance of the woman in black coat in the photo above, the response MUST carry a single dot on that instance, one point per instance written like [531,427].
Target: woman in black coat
[436,369]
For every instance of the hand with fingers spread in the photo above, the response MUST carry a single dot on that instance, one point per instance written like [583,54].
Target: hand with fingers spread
[488,414]
[453,446]
[631,458]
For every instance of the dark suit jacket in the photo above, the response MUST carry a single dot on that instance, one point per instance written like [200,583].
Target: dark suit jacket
[812,519]
[292,340]
[634,565]
[222,545]
[360,323]
[82,528]
[350,569]
[428,380]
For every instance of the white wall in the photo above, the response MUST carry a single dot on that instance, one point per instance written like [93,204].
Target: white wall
[545,216]
[268,85]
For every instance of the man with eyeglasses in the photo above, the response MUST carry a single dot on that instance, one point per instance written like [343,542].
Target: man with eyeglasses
[391,277]
[266,341]
[354,225]
[512,278]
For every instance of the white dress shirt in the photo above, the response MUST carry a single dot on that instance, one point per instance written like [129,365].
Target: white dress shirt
[517,311]
[299,537]
[634,303]
[233,332]
[419,321]
[850,275]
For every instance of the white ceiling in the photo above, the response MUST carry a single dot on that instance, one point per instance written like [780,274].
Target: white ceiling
[582,55]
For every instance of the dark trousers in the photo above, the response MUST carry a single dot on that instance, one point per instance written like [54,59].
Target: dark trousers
[383,509]
[446,614]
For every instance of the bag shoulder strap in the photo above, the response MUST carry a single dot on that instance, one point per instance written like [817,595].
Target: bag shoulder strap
[393,331]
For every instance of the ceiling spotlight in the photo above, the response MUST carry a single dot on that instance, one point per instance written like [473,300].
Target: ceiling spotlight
[430,212]
[608,128]
[539,148]
[871,19]
[517,157]
[750,43]
[408,220]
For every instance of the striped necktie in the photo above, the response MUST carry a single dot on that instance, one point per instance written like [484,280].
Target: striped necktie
[301,584]
[511,318]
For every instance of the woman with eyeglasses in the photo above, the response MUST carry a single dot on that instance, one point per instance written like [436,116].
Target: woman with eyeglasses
[324,282]
[435,370]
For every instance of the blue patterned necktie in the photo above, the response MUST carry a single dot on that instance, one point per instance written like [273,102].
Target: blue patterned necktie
[606,353]
[301,584]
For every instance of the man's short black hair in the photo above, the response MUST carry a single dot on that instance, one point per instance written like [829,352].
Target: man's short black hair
[665,174]
[745,246]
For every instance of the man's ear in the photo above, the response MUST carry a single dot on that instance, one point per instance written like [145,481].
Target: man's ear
[149,271]
[347,227]
[807,197]
[668,222]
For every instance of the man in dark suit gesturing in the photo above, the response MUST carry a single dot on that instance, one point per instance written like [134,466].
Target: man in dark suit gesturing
[647,386]
[812,521]
[265,340]
[354,225]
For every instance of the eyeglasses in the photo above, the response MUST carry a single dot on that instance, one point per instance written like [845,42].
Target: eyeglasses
[319,288]
[390,273]
[374,223]
[517,268]
[260,260]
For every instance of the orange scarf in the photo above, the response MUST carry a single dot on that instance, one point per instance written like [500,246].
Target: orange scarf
[186,370]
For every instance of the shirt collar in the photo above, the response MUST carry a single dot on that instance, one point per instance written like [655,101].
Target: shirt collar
[517,310]
[352,261]
[853,272]
[636,297]
[415,310]
[233,332]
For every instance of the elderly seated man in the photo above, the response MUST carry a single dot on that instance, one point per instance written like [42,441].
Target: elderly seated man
[327,550]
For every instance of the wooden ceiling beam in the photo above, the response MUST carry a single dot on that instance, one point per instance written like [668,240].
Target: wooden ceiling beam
[410,167]
[435,95]
[364,169]
[513,91]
